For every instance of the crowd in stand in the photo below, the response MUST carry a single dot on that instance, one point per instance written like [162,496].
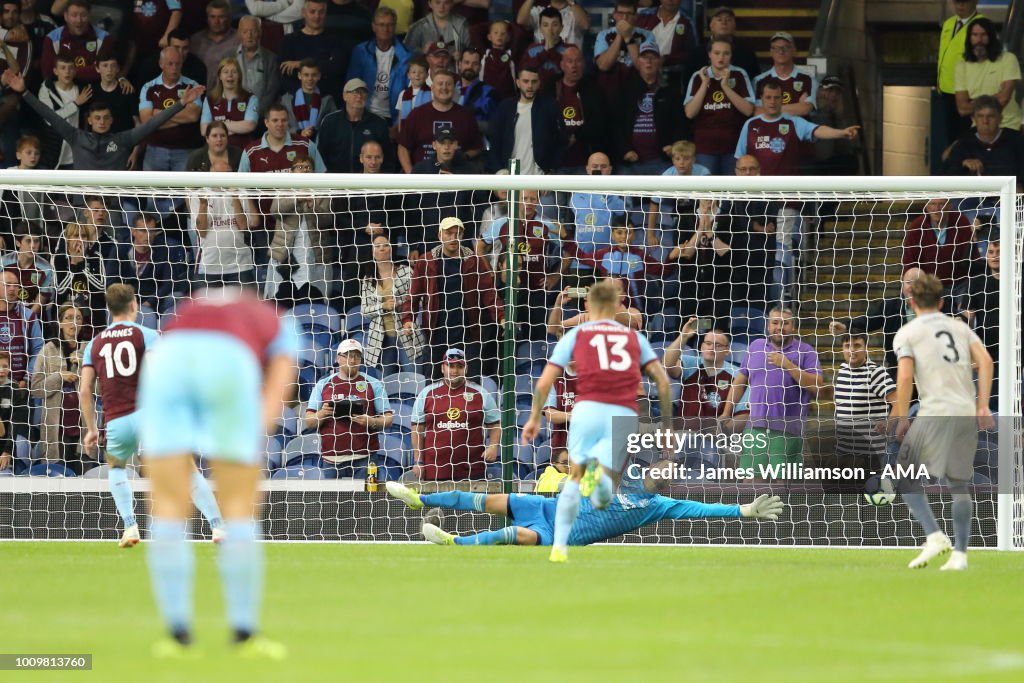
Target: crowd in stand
[351,87]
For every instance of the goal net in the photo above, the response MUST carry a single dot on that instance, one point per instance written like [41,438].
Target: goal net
[456,288]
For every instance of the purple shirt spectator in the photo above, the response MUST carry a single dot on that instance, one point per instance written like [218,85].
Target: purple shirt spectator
[776,401]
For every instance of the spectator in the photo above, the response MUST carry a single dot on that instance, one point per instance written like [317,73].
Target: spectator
[832,157]
[33,271]
[989,149]
[449,421]
[95,217]
[751,226]
[620,44]
[14,415]
[774,137]
[988,69]
[313,41]
[282,14]
[152,23]
[799,87]
[440,24]
[217,41]
[154,267]
[383,61]
[864,392]
[980,307]
[722,26]
[349,409]
[384,287]
[24,337]
[260,73]
[350,19]
[631,264]
[719,98]
[38,25]
[888,315]
[664,213]
[559,324]
[119,95]
[439,58]
[558,411]
[705,268]
[706,378]
[191,66]
[646,124]
[591,220]
[952,43]
[19,51]
[574,19]
[98,147]
[229,102]
[939,243]
[674,33]
[497,67]
[78,39]
[343,132]
[216,149]
[55,383]
[167,148]
[307,107]
[416,93]
[277,148]
[446,159]
[61,95]
[583,110]
[545,56]
[417,133]
[25,205]
[78,273]
[528,129]
[220,222]
[784,375]
[453,294]
[473,93]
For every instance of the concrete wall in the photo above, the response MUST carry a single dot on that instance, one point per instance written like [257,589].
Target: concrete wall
[906,130]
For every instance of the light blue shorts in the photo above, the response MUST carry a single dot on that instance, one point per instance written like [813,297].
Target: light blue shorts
[123,437]
[591,434]
[201,393]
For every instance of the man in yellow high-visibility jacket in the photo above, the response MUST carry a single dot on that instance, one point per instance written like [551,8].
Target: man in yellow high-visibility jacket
[951,51]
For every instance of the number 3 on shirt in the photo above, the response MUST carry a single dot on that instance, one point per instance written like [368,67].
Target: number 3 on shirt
[619,359]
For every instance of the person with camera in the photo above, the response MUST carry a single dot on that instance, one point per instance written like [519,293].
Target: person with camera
[349,409]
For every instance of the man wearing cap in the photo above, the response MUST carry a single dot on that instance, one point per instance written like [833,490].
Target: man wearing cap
[454,296]
[439,58]
[343,132]
[450,420]
[952,41]
[832,157]
[415,139]
[648,120]
[440,24]
[722,26]
[428,208]
[348,409]
[799,88]
[446,155]
[383,61]
[529,128]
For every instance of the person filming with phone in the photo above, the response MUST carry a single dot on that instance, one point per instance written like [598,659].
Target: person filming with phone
[348,409]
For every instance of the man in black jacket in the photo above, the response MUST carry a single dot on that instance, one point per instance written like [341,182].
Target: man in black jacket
[648,116]
[539,146]
[343,132]
[988,149]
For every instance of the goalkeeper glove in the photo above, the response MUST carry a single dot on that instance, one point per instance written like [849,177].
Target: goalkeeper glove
[763,507]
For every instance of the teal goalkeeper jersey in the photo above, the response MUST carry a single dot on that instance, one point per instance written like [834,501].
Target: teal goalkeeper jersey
[630,511]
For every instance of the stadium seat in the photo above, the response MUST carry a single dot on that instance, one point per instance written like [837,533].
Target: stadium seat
[305,471]
[397,446]
[299,447]
[275,451]
[317,317]
[528,353]
[403,384]
[524,387]
[53,469]
[355,321]
[737,352]
[403,416]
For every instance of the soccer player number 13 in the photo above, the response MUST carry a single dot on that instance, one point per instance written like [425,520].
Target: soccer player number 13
[619,359]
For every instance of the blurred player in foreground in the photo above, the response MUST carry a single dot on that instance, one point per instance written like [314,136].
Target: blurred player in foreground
[609,358]
[937,352]
[533,516]
[212,385]
[118,351]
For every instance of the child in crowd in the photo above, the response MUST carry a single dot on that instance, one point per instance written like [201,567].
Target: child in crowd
[307,107]
[417,93]
[497,68]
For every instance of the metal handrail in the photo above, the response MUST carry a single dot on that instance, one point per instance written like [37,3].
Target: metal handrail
[850,77]
[826,20]
[1013,29]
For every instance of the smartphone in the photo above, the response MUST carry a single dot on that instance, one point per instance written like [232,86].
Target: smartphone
[577,292]
[704,325]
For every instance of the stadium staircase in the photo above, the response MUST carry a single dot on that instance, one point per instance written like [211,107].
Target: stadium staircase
[757,20]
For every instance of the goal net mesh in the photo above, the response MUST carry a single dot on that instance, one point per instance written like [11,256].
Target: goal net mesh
[423,279]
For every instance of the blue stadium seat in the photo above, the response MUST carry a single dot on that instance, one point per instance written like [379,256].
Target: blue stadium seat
[53,469]
[737,352]
[300,447]
[397,446]
[403,384]
[316,317]
[490,385]
[528,353]
[308,377]
[403,416]
[355,321]
[524,386]
[275,452]
[305,471]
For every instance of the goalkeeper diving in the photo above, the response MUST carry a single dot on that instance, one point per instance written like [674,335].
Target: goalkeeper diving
[532,516]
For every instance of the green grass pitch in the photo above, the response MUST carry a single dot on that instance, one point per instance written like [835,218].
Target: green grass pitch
[359,613]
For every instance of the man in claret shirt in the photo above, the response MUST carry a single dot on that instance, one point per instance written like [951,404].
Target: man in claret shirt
[583,114]
[78,38]
[415,140]
[276,150]
[545,56]
[799,87]
[168,148]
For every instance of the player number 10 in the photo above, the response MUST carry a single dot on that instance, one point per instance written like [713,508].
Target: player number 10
[121,358]
[617,355]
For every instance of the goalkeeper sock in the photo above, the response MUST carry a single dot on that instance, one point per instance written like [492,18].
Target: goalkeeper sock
[506,536]
[963,507]
[240,559]
[603,493]
[171,564]
[121,490]
[922,512]
[565,513]
[455,500]
[202,496]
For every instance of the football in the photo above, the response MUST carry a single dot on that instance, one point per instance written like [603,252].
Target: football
[879,491]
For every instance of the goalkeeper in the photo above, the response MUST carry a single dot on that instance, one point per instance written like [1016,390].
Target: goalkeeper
[533,516]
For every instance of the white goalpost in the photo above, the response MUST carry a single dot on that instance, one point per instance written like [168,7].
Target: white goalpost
[829,248]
